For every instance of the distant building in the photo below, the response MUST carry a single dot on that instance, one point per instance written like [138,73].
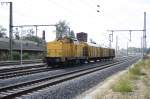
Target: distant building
[34,49]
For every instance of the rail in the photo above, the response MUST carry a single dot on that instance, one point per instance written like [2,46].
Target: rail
[26,87]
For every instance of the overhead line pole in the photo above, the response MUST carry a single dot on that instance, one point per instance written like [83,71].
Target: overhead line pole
[129,34]
[10,27]
[36,30]
[36,26]
[127,48]
[125,30]
[116,45]
[110,40]
[142,46]
[122,30]
[21,26]
[144,35]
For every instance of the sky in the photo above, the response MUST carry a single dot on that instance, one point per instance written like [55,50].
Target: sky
[82,16]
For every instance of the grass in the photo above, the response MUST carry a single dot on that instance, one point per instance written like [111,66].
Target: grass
[135,70]
[147,93]
[147,64]
[136,80]
[131,76]
[146,81]
[123,85]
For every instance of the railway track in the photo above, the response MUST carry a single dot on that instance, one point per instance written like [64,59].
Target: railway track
[19,89]
[7,63]
[26,71]
[19,67]
[18,73]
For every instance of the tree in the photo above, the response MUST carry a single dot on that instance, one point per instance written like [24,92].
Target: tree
[62,29]
[148,50]
[31,37]
[2,32]
[30,32]
[71,34]
[16,31]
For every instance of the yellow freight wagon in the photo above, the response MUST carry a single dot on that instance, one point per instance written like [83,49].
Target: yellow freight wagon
[112,53]
[99,52]
[94,52]
[104,53]
[82,50]
[54,49]
[59,51]
[67,50]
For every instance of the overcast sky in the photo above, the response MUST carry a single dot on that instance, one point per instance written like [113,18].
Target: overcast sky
[82,16]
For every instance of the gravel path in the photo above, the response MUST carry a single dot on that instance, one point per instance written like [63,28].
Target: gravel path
[72,88]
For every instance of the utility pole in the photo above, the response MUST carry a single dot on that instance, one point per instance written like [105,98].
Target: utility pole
[144,35]
[36,29]
[141,46]
[109,40]
[116,45]
[144,45]
[36,26]
[44,43]
[130,35]
[10,28]
[21,26]
[21,47]
[127,48]
[112,35]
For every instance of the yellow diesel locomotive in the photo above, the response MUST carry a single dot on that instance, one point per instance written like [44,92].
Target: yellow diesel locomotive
[67,50]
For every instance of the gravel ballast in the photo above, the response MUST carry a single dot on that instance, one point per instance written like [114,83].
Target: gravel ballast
[74,87]
[25,78]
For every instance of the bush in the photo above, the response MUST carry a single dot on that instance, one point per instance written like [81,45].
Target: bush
[142,63]
[148,63]
[16,56]
[26,56]
[3,56]
[136,70]
[132,76]
[123,85]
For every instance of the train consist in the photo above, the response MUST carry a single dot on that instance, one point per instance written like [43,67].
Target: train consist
[67,50]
